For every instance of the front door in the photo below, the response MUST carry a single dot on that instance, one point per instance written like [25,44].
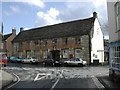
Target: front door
[55,54]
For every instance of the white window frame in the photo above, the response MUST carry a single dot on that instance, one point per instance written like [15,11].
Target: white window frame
[77,55]
[117,15]
[65,53]
[115,56]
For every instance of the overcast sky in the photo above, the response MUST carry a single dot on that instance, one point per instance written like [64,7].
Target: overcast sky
[38,13]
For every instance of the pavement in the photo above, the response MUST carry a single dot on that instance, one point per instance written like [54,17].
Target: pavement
[6,79]
[108,83]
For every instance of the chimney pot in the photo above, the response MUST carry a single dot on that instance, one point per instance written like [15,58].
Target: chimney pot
[94,14]
[21,29]
[14,31]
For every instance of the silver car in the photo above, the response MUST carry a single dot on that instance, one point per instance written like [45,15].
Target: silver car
[30,60]
[75,61]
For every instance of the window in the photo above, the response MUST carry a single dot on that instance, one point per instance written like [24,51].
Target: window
[54,41]
[65,53]
[28,43]
[44,43]
[117,13]
[77,40]
[77,53]
[36,42]
[65,41]
[115,56]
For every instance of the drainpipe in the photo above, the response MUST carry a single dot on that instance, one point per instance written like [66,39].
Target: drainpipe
[89,49]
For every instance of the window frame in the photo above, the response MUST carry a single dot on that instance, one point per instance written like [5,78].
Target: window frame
[117,15]
[78,40]
[65,41]
[65,53]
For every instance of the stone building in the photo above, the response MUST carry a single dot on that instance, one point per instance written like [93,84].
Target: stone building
[7,42]
[80,39]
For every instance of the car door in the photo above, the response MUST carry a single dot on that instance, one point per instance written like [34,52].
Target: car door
[72,62]
[78,61]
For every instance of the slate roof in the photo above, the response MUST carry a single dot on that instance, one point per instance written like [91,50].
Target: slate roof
[5,37]
[67,29]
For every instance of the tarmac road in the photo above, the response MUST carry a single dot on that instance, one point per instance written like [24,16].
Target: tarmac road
[51,78]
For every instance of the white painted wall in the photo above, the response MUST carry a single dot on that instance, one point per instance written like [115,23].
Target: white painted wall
[113,35]
[97,43]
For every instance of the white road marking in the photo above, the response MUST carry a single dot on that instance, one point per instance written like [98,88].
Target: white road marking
[55,84]
[18,80]
[61,75]
[97,83]
[43,75]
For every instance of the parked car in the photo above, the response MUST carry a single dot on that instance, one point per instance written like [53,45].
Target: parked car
[30,60]
[3,59]
[48,61]
[12,58]
[15,59]
[52,62]
[75,61]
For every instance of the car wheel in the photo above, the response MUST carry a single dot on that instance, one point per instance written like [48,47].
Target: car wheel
[4,65]
[65,64]
[31,62]
[53,64]
[79,64]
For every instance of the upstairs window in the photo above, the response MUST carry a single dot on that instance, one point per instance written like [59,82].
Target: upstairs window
[54,41]
[45,43]
[36,42]
[117,14]
[65,41]
[77,40]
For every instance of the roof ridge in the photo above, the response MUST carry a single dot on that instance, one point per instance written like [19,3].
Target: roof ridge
[59,23]
[66,29]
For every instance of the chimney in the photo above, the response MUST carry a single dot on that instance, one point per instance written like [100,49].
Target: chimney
[94,14]
[21,29]
[14,31]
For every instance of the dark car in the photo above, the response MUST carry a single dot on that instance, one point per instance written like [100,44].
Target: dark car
[51,62]
[48,61]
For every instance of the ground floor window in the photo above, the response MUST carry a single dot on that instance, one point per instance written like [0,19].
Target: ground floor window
[77,53]
[45,54]
[115,56]
[65,53]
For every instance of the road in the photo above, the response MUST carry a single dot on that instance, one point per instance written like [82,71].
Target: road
[51,78]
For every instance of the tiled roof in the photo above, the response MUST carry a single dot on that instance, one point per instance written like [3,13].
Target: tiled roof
[67,29]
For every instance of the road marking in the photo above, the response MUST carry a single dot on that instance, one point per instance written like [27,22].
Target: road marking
[55,84]
[18,80]
[61,75]
[97,83]
[40,76]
